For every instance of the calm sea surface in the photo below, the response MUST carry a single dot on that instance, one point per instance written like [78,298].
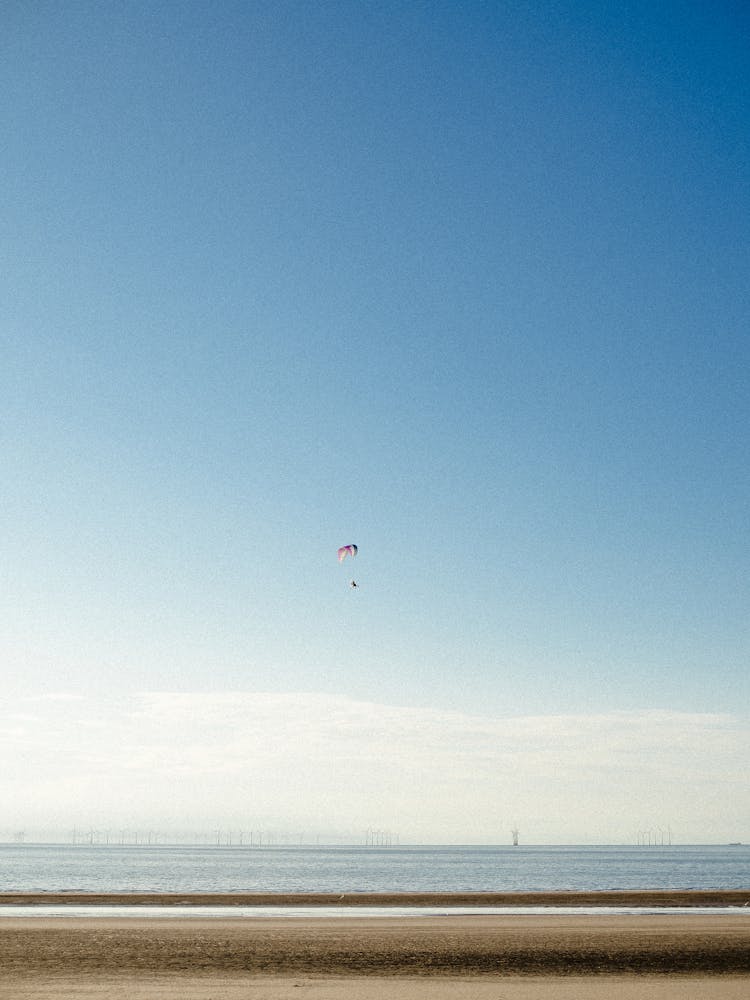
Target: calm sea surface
[60,868]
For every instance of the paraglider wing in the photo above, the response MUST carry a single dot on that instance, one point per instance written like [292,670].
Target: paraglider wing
[347,550]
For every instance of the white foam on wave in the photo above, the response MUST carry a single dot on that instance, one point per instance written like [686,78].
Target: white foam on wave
[350,912]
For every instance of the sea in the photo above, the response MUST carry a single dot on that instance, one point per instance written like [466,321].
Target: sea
[100,868]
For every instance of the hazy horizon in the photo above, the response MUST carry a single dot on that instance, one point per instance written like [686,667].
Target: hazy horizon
[286,761]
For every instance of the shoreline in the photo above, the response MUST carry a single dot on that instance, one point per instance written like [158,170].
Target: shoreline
[719,898]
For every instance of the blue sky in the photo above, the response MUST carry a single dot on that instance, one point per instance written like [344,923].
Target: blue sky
[463,284]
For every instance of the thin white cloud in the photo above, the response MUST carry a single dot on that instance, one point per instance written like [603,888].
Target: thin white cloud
[52,696]
[307,760]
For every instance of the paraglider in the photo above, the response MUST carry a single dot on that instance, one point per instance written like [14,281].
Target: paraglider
[342,553]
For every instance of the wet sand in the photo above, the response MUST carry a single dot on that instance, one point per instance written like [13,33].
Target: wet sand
[505,957]
[641,897]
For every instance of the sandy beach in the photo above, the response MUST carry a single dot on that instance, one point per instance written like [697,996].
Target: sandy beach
[372,988]
[506,957]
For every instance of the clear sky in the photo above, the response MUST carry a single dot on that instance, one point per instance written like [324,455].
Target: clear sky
[465,284]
